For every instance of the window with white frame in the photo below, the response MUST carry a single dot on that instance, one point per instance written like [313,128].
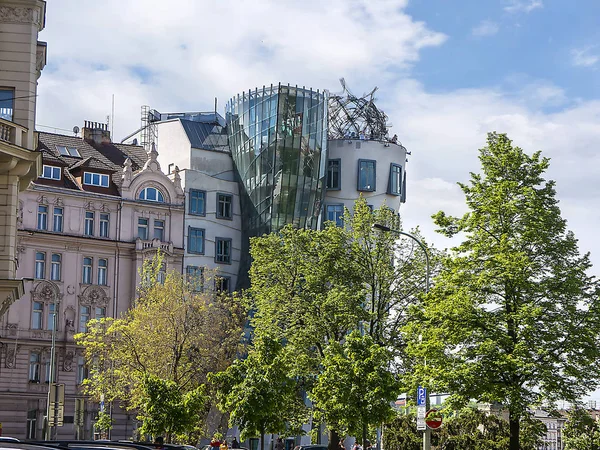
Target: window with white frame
[51,317]
[104,224]
[42,217]
[55,267]
[34,367]
[103,271]
[37,315]
[86,277]
[88,229]
[99,312]
[159,230]
[40,265]
[95,179]
[68,151]
[152,194]
[84,318]
[31,424]
[51,172]
[57,220]
[143,228]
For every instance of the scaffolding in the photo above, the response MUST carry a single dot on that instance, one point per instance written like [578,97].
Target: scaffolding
[149,131]
[352,117]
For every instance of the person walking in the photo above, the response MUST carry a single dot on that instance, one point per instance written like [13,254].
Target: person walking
[235,443]
[279,444]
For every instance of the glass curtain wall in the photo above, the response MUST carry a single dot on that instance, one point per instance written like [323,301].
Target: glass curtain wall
[278,140]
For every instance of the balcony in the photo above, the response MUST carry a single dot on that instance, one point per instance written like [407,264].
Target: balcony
[13,133]
[154,244]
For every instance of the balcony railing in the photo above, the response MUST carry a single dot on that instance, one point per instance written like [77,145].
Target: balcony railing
[13,133]
[153,244]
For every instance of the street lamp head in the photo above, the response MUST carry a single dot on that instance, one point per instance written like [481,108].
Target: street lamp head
[378,226]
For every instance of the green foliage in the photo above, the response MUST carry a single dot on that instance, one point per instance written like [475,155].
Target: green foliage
[513,316]
[355,388]
[163,349]
[259,394]
[103,421]
[581,431]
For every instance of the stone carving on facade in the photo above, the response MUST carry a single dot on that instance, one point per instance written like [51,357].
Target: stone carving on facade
[42,200]
[15,14]
[71,288]
[68,361]
[152,162]
[89,205]
[93,296]
[127,175]
[8,300]
[45,292]
[20,215]
[12,329]
[177,181]
[59,201]
[70,319]
[104,208]
[11,356]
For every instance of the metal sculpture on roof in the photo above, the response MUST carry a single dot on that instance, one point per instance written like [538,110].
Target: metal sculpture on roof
[356,117]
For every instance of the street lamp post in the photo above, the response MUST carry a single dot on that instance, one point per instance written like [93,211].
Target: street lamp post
[377,226]
[52,412]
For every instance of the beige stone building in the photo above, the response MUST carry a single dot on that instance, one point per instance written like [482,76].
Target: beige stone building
[22,59]
[86,225]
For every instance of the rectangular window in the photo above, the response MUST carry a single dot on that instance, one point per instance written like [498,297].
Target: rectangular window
[87,271]
[89,223]
[102,272]
[335,213]
[34,367]
[224,206]
[366,175]
[31,424]
[82,372]
[159,230]
[196,240]
[195,277]
[55,267]
[334,168]
[223,250]
[57,220]
[47,371]
[42,217]
[68,151]
[104,222]
[51,172]
[395,183]
[37,315]
[162,274]
[197,203]
[222,284]
[84,318]
[143,228]
[95,179]
[99,312]
[7,98]
[50,321]
[40,265]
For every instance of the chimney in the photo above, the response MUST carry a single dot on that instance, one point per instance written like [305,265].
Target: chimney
[95,131]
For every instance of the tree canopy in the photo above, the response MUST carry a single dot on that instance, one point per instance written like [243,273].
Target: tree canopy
[513,316]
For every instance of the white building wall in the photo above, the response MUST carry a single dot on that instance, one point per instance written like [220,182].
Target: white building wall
[349,152]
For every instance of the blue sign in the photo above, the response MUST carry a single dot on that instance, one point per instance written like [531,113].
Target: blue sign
[421,396]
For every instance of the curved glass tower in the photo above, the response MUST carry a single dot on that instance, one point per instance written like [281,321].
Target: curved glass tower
[278,140]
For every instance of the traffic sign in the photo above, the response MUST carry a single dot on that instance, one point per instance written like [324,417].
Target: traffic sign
[421,413]
[433,419]
[421,396]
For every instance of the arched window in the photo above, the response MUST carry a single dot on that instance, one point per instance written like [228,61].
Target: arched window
[152,194]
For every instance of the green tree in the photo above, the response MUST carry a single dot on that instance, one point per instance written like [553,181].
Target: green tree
[355,389]
[160,352]
[513,316]
[581,430]
[259,394]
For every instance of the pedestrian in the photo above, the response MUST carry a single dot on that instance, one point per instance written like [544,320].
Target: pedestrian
[356,446]
[223,445]
[235,443]
[159,443]
[341,445]
[215,443]
[279,444]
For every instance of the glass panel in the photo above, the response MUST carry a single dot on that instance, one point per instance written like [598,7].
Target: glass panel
[104,223]
[55,268]
[366,175]
[42,222]
[159,229]
[36,315]
[58,220]
[89,223]
[6,104]
[143,228]
[50,324]
[84,317]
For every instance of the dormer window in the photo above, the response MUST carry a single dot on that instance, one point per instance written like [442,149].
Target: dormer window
[68,151]
[51,172]
[152,194]
[95,179]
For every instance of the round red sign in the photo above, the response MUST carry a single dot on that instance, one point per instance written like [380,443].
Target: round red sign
[433,419]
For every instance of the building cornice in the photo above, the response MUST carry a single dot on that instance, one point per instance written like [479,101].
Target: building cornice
[24,11]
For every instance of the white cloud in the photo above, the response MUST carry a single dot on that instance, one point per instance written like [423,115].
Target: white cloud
[525,6]
[485,28]
[584,57]
[187,55]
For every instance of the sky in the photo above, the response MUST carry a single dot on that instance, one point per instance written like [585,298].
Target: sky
[448,72]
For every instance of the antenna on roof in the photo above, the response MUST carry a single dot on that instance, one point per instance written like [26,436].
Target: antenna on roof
[215,106]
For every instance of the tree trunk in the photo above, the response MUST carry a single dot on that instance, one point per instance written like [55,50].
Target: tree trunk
[514,425]
[364,435]
[334,440]
[262,439]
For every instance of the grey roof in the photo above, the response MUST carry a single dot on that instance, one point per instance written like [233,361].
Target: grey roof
[209,136]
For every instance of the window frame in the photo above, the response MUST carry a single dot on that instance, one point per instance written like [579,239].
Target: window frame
[91,219]
[11,99]
[55,216]
[189,240]
[374,187]
[51,312]
[202,194]
[143,226]
[34,369]
[220,279]
[40,262]
[82,315]
[391,186]
[196,271]
[230,245]
[339,172]
[67,151]
[53,264]
[160,227]
[31,430]
[82,370]
[104,220]
[37,313]
[53,170]
[159,194]
[218,214]
[102,270]
[101,178]
[341,217]
[42,214]
[91,270]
